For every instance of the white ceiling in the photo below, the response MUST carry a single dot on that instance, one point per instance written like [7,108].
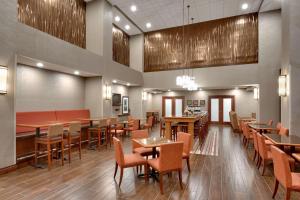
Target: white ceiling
[168,13]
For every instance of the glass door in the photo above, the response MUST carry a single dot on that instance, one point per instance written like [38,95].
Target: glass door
[219,108]
[215,109]
[172,106]
[168,107]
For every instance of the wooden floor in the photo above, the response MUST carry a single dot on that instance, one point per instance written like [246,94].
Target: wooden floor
[229,175]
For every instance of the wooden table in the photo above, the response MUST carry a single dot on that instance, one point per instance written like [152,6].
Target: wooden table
[38,126]
[92,119]
[284,140]
[261,127]
[190,120]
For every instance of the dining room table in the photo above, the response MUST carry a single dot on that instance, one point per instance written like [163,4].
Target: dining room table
[261,127]
[281,141]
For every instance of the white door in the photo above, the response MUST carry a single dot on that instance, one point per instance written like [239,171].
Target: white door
[227,106]
[178,107]
[168,107]
[214,107]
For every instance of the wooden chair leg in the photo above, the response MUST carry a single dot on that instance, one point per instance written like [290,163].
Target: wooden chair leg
[69,150]
[62,153]
[254,155]
[275,188]
[264,167]
[288,194]
[116,170]
[99,139]
[49,156]
[146,173]
[161,183]
[121,176]
[36,152]
[188,164]
[259,163]
[80,148]
[180,178]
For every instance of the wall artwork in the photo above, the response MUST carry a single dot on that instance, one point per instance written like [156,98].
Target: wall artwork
[202,103]
[195,102]
[125,105]
[189,102]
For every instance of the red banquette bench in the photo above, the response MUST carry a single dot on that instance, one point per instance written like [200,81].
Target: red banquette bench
[25,136]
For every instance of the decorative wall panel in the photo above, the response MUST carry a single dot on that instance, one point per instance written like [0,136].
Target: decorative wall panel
[228,41]
[64,19]
[120,46]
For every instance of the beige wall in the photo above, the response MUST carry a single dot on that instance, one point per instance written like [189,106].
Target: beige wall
[136,43]
[93,96]
[245,104]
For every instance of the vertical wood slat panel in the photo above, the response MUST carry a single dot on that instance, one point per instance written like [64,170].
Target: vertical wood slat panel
[121,51]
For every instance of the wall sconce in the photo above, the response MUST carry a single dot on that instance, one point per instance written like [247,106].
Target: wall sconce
[282,85]
[3,80]
[107,92]
[144,96]
[256,93]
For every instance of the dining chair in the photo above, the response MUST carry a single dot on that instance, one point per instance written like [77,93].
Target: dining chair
[149,123]
[54,137]
[186,138]
[115,129]
[170,159]
[283,131]
[247,134]
[136,147]
[278,126]
[73,137]
[127,160]
[270,122]
[256,150]
[132,126]
[162,127]
[266,155]
[283,175]
[101,130]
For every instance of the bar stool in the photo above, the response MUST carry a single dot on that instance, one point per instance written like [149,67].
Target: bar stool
[73,134]
[101,130]
[54,136]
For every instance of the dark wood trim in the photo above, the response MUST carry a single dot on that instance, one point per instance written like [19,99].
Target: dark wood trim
[173,98]
[8,169]
[220,97]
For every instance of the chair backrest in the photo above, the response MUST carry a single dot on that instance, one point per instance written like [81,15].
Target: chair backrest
[234,120]
[253,115]
[138,134]
[170,156]
[270,122]
[119,154]
[150,120]
[278,126]
[255,141]
[136,124]
[186,138]
[103,122]
[55,130]
[262,149]
[283,131]
[246,130]
[282,169]
[74,127]
[113,121]
[129,118]
[242,125]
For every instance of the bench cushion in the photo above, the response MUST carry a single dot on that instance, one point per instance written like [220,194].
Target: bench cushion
[72,115]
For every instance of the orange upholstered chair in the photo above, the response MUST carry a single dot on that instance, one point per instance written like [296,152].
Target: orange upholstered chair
[149,123]
[170,159]
[266,155]
[256,150]
[136,147]
[73,137]
[132,125]
[186,138]
[283,175]
[54,137]
[115,128]
[283,131]
[270,122]
[128,160]
[247,134]
[102,132]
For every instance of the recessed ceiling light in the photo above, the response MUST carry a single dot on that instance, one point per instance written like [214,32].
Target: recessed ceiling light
[133,8]
[245,6]
[128,84]
[39,64]
[148,25]
[76,72]
[114,81]
[117,18]
[127,27]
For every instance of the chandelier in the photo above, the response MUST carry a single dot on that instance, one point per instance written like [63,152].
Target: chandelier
[186,81]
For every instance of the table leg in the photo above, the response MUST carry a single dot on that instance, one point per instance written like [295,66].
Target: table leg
[168,133]
[191,131]
[38,132]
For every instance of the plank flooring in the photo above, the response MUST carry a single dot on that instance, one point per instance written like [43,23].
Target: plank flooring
[228,176]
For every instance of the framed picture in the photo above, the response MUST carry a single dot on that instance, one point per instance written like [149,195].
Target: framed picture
[125,105]
[195,102]
[202,103]
[189,102]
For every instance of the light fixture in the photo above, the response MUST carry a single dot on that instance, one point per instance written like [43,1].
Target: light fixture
[76,72]
[282,85]
[245,6]
[169,90]
[128,84]
[133,8]
[3,80]
[39,64]
[127,27]
[107,92]
[114,81]
[255,93]
[144,96]
[148,25]
[117,18]
[114,29]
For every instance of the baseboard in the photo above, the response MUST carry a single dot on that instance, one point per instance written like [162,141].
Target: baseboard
[8,169]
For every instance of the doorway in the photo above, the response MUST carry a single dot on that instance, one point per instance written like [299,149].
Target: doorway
[172,106]
[219,108]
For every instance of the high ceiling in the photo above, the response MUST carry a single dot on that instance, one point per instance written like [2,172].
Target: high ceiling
[168,13]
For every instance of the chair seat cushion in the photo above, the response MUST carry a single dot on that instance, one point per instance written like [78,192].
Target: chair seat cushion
[51,139]
[143,151]
[118,131]
[134,159]
[268,142]
[295,181]
[296,156]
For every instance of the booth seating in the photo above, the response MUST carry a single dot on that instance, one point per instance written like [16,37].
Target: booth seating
[25,136]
